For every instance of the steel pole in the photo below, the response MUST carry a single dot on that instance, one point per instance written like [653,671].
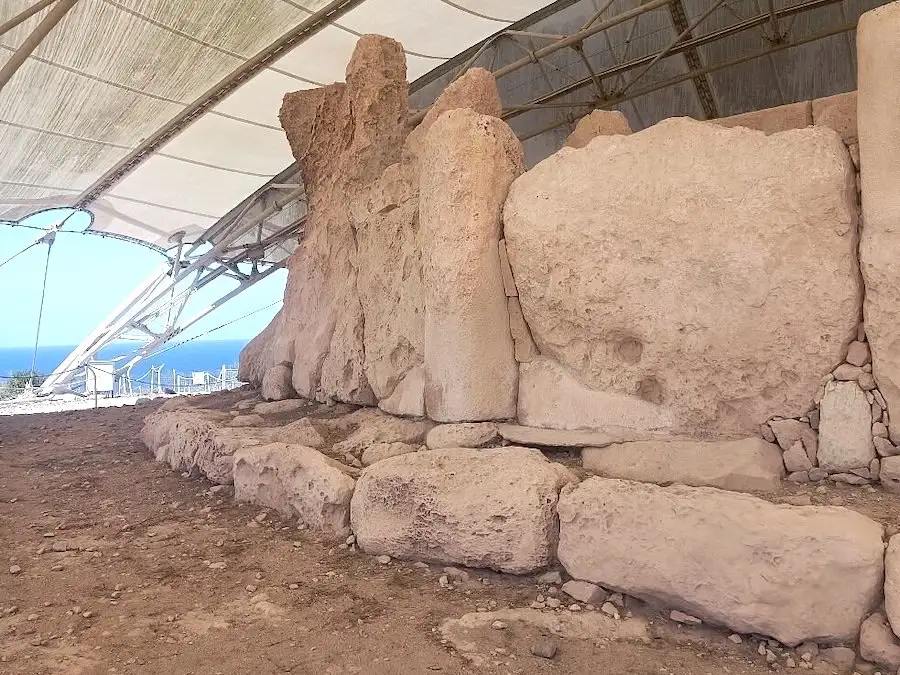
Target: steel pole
[42,30]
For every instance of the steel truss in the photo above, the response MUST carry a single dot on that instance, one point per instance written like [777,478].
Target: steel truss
[247,245]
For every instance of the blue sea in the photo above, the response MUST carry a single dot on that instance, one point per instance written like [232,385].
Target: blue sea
[199,355]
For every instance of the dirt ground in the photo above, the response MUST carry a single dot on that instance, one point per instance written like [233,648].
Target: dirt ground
[115,564]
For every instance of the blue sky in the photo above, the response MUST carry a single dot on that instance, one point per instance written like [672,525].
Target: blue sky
[90,275]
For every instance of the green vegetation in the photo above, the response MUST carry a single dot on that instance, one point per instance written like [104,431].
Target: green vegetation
[16,383]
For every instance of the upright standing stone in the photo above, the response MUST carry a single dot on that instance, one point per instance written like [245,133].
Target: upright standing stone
[845,428]
[468,163]
[878,53]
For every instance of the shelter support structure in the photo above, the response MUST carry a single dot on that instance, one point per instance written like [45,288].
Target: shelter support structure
[247,245]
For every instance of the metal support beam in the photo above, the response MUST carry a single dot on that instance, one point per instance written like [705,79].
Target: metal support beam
[23,16]
[739,27]
[42,30]
[694,62]
[568,41]
[844,28]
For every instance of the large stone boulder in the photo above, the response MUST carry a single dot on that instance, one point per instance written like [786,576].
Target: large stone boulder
[671,285]
[468,163]
[792,573]
[295,481]
[748,465]
[480,508]
[878,49]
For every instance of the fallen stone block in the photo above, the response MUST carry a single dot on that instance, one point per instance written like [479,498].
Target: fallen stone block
[301,432]
[175,436]
[493,508]
[748,465]
[792,573]
[295,481]
[464,435]
[252,420]
[586,592]
[408,397]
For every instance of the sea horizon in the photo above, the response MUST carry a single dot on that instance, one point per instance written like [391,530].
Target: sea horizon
[197,355]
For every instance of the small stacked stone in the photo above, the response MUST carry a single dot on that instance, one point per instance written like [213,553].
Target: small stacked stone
[845,438]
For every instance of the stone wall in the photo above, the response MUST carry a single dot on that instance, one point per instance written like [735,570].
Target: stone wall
[382,274]
[697,303]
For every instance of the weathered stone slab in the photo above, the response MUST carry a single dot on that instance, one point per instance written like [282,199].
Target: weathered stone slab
[469,161]
[491,508]
[699,303]
[845,428]
[550,397]
[837,112]
[598,123]
[466,435]
[295,481]
[878,52]
[747,465]
[792,573]
[772,120]
[563,438]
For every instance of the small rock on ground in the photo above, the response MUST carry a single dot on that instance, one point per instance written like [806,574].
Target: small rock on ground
[545,648]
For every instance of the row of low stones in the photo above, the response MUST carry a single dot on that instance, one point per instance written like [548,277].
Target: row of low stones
[792,573]
[845,438]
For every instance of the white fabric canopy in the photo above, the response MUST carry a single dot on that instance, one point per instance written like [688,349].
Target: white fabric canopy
[113,73]
[161,116]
